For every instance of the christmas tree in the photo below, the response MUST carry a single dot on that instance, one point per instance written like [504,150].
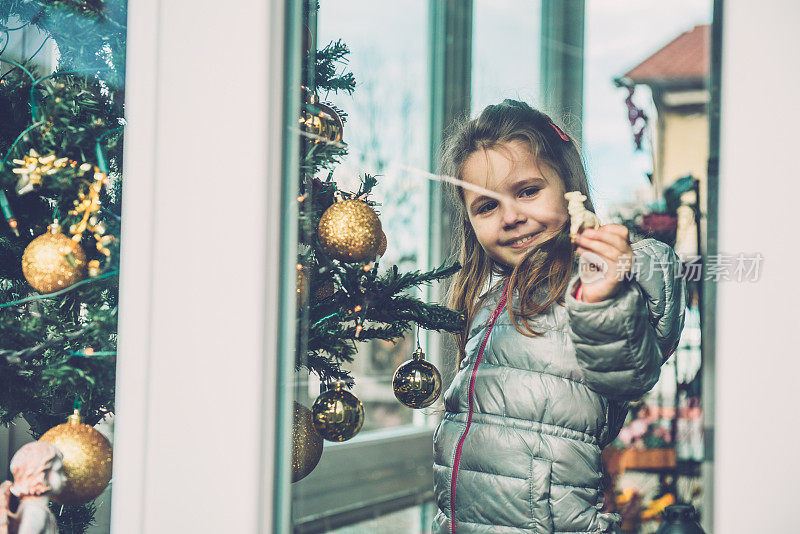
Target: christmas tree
[61,149]
[344,295]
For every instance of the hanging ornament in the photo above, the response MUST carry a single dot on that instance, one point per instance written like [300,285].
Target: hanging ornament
[87,459]
[307,443]
[321,287]
[338,414]
[53,261]
[325,290]
[321,120]
[33,167]
[308,39]
[417,383]
[350,231]
[383,245]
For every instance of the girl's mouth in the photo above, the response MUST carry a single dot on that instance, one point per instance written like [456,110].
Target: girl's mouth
[523,242]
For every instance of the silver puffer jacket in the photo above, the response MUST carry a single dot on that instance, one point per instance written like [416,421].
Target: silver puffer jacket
[526,418]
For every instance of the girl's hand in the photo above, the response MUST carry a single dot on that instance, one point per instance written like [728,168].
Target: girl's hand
[606,259]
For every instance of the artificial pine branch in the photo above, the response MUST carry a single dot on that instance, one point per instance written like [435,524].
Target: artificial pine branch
[43,362]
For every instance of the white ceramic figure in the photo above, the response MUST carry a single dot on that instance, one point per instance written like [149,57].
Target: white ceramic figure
[38,473]
[686,236]
[579,216]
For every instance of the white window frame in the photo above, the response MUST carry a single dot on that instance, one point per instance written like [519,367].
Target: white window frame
[200,286]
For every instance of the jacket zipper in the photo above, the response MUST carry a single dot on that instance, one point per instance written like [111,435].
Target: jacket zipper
[474,375]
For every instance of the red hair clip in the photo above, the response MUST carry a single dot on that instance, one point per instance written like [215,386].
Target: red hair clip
[561,134]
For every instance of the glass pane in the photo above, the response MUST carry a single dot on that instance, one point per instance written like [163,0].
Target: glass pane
[62,83]
[365,155]
[646,134]
[386,129]
[505,52]
[414,520]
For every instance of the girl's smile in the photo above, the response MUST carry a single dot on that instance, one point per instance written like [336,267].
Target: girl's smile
[530,207]
[523,242]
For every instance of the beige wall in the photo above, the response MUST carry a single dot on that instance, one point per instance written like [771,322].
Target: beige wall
[681,141]
[685,148]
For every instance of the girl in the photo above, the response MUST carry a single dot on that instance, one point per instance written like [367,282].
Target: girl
[550,356]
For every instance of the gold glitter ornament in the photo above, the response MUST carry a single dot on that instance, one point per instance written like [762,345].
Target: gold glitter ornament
[53,261]
[87,459]
[307,443]
[417,383]
[325,290]
[350,231]
[383,245]
[338,414]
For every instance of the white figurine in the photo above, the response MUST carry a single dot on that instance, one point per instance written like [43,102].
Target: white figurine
[38,473]
[579,216]
[686,235]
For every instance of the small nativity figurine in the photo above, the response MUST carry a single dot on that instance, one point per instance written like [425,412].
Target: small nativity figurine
[38,473]
[579,217]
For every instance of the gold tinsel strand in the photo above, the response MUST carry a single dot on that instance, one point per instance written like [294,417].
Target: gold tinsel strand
[33,167]
[302,286]
[86,207]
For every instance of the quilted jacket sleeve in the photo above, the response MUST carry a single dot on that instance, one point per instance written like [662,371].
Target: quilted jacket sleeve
[621,342]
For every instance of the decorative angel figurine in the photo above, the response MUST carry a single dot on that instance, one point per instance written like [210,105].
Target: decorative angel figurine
[38,473]
[579,216]
[686,235]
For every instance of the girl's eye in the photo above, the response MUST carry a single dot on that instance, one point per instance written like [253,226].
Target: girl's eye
[489,206]
[529,191]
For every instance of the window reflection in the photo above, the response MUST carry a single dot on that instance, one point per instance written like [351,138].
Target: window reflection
[646,144]
[387,127]
[505,51]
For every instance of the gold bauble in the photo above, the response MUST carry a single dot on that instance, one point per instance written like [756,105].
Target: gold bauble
[325,290]
[321,121]
[307,443]
[87,460]
[53,261]
[338,414]
[417,383]
[350,231]
[383,245]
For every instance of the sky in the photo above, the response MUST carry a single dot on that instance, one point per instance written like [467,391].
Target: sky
[619,35]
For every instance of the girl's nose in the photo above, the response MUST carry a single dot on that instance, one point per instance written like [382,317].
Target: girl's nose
[512,215]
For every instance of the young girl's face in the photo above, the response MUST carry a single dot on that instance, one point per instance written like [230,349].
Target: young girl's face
[532,208]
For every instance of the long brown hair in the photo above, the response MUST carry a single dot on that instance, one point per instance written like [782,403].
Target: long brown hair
[548,265]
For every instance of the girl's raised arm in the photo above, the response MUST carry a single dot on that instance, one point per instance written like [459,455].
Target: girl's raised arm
[622,342]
